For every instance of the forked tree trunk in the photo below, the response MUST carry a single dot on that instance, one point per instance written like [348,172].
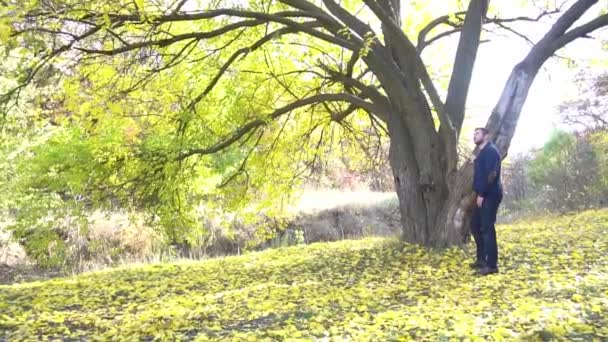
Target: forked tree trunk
[446,221]
[419,199]
[502,124]
[435,199]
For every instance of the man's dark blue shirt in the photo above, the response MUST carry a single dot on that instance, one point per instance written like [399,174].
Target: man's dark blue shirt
[486,179]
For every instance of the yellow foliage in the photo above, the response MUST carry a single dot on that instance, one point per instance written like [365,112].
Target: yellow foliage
[553,285]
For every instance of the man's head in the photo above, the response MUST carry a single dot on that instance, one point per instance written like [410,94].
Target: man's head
[480,136]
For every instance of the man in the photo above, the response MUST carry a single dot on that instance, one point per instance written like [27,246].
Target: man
[488,187]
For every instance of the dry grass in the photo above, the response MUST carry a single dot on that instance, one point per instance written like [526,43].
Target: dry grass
[117,239]
[11,254]
[120,233]
[332,215]
[319,200]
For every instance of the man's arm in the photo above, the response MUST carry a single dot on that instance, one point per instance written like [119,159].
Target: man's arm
[489,172]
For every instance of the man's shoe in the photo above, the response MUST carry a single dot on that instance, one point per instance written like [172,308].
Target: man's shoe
[477,264]
[488,270]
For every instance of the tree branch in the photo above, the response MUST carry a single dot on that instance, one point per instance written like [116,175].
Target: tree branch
[410,52]
[196,16]
[422,45]
[381,101]
[359,27]
[520,35]
[6,97]
[423,42]
[557,37]
[351,64]
[252,125]
[522,18]
[243,164]
[175,39]
[237,54]
[580,31]
[278,17]
[379,59]
[466,53]
[445,19]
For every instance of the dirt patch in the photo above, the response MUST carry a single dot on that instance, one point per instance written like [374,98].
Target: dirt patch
[26,273]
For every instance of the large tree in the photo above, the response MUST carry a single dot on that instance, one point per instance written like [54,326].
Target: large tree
[306,63]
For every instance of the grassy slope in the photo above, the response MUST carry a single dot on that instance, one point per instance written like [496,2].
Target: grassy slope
[554,283]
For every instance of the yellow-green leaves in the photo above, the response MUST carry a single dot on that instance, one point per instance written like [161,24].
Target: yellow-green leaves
[106,19]
[367,290]
[368,41]
[5,30]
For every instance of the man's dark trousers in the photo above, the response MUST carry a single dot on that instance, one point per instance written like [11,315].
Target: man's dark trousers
[484,230]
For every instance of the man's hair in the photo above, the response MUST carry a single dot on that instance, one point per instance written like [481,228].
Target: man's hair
[483,130]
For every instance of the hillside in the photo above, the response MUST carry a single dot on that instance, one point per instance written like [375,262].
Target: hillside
[553,284]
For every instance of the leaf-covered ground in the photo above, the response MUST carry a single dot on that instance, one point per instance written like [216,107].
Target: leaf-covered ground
[553,285]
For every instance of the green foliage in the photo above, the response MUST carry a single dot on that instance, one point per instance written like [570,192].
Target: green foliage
[115,128]
[565,173]
[554,155]
[599,142]
[113,134]
[551,286]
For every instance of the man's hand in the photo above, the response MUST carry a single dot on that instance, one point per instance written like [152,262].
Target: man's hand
[479,201]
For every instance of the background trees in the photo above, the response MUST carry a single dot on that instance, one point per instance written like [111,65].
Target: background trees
[569,172]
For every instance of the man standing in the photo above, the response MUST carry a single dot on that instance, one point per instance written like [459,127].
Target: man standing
[488,187]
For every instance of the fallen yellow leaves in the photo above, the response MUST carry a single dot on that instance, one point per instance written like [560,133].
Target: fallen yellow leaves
[553,285]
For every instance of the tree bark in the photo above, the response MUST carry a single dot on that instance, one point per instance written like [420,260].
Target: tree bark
[464,62]
[405,172]
[419,176]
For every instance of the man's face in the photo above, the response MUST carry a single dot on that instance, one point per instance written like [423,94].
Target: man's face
[478,137]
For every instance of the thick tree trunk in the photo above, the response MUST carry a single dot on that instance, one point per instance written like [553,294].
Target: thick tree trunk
[405,173]
[420,187]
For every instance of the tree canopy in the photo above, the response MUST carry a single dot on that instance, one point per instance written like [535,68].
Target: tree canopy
[164,105]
